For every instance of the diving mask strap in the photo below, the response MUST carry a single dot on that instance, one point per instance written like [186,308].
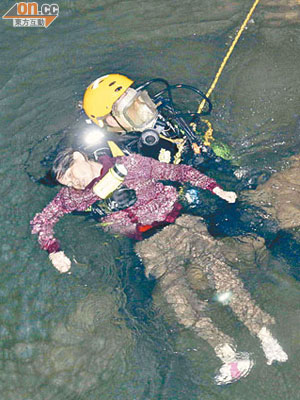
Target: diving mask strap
[118,122]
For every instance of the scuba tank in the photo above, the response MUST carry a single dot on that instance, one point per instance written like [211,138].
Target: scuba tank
[118,196]
[111,181]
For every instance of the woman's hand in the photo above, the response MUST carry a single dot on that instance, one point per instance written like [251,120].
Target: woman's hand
[230,197]
[60,261]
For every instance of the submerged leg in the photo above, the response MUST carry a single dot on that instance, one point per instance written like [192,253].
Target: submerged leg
[186,244]
[191,312]
[166,256]
[231,291]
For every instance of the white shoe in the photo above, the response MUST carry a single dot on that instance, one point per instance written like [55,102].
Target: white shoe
[272,349]
[232,372]
[236,365]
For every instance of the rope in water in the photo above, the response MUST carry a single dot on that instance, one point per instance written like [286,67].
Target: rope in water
[208,137]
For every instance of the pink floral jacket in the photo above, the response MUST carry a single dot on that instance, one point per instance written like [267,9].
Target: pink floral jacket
[156,203]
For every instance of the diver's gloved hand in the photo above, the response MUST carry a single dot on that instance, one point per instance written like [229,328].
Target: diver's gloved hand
[230,197]
[60,261]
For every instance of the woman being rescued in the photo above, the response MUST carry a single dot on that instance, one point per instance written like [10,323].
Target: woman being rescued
[87,181]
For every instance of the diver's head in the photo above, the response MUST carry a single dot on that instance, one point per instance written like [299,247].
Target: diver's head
[74,169]
[111,102]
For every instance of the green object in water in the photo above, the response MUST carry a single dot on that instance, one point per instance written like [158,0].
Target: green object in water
[221,150]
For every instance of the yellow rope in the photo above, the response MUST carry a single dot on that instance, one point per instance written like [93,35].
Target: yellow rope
[238,35]
[208,136]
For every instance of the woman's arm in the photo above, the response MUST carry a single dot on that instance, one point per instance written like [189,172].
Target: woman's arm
[43,223]
[66,201]
[185,173]
[182,173]
[147,168]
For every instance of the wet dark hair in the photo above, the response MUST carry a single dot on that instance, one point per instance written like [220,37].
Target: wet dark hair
[63,161]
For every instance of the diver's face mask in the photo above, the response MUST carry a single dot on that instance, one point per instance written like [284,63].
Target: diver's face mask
[135,110]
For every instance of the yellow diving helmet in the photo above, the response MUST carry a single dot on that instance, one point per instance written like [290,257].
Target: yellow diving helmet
[101,94]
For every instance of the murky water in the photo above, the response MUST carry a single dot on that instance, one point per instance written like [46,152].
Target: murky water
[97,333]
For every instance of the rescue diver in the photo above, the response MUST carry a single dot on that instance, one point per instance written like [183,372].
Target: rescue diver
[150,126]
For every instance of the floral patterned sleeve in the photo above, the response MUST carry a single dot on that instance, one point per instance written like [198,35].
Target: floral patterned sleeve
[182,173]
[149,168]
[66,201]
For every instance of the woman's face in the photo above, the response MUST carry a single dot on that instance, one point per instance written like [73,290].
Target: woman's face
[81,172]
